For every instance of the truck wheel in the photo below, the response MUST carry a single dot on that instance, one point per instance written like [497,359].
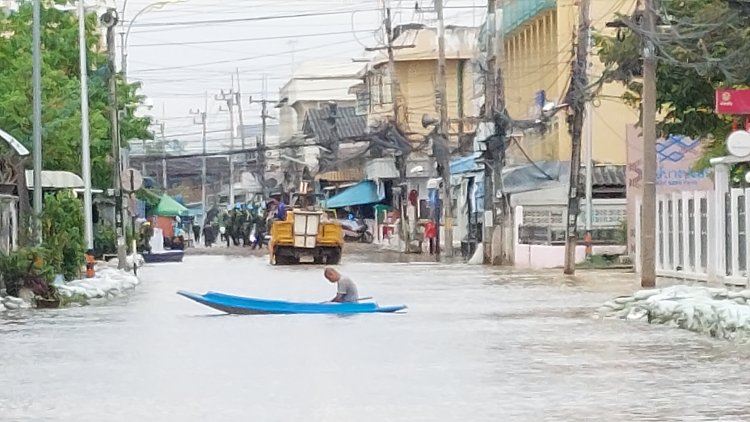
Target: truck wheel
[334,258]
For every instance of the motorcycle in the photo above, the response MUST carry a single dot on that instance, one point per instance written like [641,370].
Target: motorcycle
[356,230]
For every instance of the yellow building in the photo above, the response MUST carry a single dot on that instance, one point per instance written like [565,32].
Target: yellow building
[416,58]
[539,37]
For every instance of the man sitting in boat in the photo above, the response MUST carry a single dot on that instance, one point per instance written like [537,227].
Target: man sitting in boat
[346,290]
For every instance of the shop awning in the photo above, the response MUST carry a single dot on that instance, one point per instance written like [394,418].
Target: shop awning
[466,164]
[55,180]
[365,192]
[168,207]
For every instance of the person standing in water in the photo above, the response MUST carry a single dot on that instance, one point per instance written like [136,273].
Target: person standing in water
[346,291]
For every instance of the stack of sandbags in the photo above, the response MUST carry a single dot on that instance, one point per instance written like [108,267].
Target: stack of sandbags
[713,311]
[107,283]
[478,257]
[129,260]
[12,303]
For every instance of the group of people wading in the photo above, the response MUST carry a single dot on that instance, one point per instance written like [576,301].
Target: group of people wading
[240,226]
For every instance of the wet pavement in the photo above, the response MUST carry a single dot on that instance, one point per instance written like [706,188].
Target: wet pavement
[476,344]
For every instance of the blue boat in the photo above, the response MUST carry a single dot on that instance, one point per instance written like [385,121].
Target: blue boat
[251,306]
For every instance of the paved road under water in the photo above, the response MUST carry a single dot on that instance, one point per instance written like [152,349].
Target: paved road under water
[477,345]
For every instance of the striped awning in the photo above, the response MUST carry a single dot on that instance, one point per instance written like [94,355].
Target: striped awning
[347,175]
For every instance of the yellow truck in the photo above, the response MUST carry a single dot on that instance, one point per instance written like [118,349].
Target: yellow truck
[305,234]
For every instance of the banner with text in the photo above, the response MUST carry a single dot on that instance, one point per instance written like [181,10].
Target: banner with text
[676,157]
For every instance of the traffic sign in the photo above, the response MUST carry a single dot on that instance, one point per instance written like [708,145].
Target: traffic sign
[131,180]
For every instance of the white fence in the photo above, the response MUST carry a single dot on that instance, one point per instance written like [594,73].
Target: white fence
[701,236]
[539,235]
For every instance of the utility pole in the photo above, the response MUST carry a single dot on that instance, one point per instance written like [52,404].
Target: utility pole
[406,222]
[229,98]
[242,121]
[577,100]
[164,158]
[402,159]
[589,140]
[443,135]
[201,120]
[648,105]
[37,118]
[109,20]
[261,149]
[495,153]
[490,108]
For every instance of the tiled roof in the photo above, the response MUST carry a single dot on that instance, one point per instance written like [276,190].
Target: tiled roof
[348,124]
[608,175]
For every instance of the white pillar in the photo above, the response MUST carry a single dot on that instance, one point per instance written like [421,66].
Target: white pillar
[721,187]
[14,224]
[686,267]
[735,231]
[697,198]
[637,256]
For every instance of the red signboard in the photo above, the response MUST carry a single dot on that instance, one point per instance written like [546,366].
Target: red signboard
[733,101]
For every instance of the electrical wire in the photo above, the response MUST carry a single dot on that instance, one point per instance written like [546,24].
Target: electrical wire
[241,59]
[246,19]
[242,40]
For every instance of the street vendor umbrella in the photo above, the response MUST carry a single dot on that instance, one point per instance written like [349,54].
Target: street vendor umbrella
[168,207]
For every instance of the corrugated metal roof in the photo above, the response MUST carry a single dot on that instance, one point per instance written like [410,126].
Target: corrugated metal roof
[382,168]
[466,164]
[348,125]
[347,175]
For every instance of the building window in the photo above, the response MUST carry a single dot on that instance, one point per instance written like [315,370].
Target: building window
[386,89]
[377,89]
[363,103]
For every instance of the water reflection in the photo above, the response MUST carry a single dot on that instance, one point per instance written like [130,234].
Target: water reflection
[476,345]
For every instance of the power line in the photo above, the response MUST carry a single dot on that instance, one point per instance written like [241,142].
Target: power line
[234,40]
[261,56]
[249,19]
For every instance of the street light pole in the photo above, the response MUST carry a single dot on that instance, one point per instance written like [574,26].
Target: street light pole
[125,33]
[37,118]
[88,224]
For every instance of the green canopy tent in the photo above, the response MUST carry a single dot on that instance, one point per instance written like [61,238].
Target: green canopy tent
[169,207]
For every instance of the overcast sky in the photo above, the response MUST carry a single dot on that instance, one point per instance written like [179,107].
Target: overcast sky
[185,49]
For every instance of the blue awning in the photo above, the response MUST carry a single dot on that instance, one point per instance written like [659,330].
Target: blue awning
[365,192]
[466,164]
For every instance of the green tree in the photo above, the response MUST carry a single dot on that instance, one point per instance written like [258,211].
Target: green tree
[701,45]
[61,116]
[62,229]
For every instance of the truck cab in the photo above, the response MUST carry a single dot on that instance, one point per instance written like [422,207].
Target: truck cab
[307,232]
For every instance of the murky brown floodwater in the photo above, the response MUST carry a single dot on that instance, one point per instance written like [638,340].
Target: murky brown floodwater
[476,345]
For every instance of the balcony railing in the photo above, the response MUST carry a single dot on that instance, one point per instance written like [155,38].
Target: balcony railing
[517,12]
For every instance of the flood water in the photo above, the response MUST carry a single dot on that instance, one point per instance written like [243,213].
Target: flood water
[476,345]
